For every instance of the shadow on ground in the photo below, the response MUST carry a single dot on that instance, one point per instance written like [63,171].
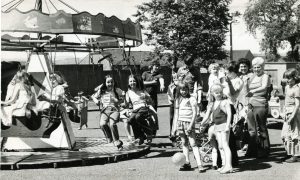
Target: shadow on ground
[277,154]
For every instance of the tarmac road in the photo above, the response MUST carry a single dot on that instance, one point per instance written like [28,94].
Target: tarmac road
[158,165]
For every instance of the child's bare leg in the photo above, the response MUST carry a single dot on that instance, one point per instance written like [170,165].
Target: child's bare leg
[195,149]
[220,146]
[224,137]
[127,129]
[185,147]
[214,145]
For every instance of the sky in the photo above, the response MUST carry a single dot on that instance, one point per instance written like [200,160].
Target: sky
[124,9]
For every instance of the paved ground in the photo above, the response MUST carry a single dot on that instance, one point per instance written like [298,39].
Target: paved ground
[158,164]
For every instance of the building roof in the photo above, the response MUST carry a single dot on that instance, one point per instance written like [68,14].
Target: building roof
[237,54]
[118,59]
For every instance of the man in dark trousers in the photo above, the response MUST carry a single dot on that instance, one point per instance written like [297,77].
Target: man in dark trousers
[153,82]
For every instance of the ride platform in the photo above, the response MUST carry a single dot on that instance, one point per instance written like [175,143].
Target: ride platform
[87,151]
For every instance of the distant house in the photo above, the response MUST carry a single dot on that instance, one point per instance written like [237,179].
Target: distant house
[237,54]
[277,69]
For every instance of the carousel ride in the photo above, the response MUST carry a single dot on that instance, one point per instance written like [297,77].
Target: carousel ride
[54,131]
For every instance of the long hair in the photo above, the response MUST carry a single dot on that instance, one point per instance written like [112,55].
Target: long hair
[59,77]
[103,88]
[182,85]
[22,77]
[139,82]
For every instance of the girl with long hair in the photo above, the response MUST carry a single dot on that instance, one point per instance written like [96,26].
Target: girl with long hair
[108,96]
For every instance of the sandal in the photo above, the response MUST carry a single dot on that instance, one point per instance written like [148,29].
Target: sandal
[120,145]
[186,167]
[201,169]
[226,171]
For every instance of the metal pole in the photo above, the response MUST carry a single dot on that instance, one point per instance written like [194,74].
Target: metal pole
[231,51]
[39,8]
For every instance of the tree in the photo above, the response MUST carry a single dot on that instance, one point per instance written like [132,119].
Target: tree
[277,20]
[195,27]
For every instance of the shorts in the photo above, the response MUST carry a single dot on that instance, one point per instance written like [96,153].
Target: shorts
[182,127]
[110,113]
[220,127]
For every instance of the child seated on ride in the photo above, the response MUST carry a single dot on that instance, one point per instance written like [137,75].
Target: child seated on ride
[140,119]
[21,100]
[184,123]
[220,110]
[291,127]
[57,94]
[108,96]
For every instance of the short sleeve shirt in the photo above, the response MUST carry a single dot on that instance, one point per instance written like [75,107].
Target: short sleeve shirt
[290,94]
[148,76]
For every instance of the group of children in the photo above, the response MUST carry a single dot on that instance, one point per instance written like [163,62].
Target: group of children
[222,110]
[141,118]
[184,116]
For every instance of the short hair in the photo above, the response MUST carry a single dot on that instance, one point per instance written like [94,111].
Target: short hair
[258,61]
[211,66]
[153,63]
[232,67]
[244,61]
[214,88]
[292,73]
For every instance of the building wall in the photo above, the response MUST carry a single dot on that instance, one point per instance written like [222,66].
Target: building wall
[276,71]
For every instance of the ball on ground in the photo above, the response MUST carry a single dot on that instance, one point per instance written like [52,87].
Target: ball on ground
[178,159]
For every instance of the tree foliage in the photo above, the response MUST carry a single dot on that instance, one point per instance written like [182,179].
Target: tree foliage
[195,27]
[277,20]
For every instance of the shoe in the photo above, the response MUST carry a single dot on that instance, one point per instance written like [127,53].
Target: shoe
[149,141]
[201,169]
[172,138]
[120,145]
[220,169]
[262,155]
[214,167]
[292,159]
[285,157]
[140,141]
[245,148]
[224,171]
[79,128]
[186,167]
